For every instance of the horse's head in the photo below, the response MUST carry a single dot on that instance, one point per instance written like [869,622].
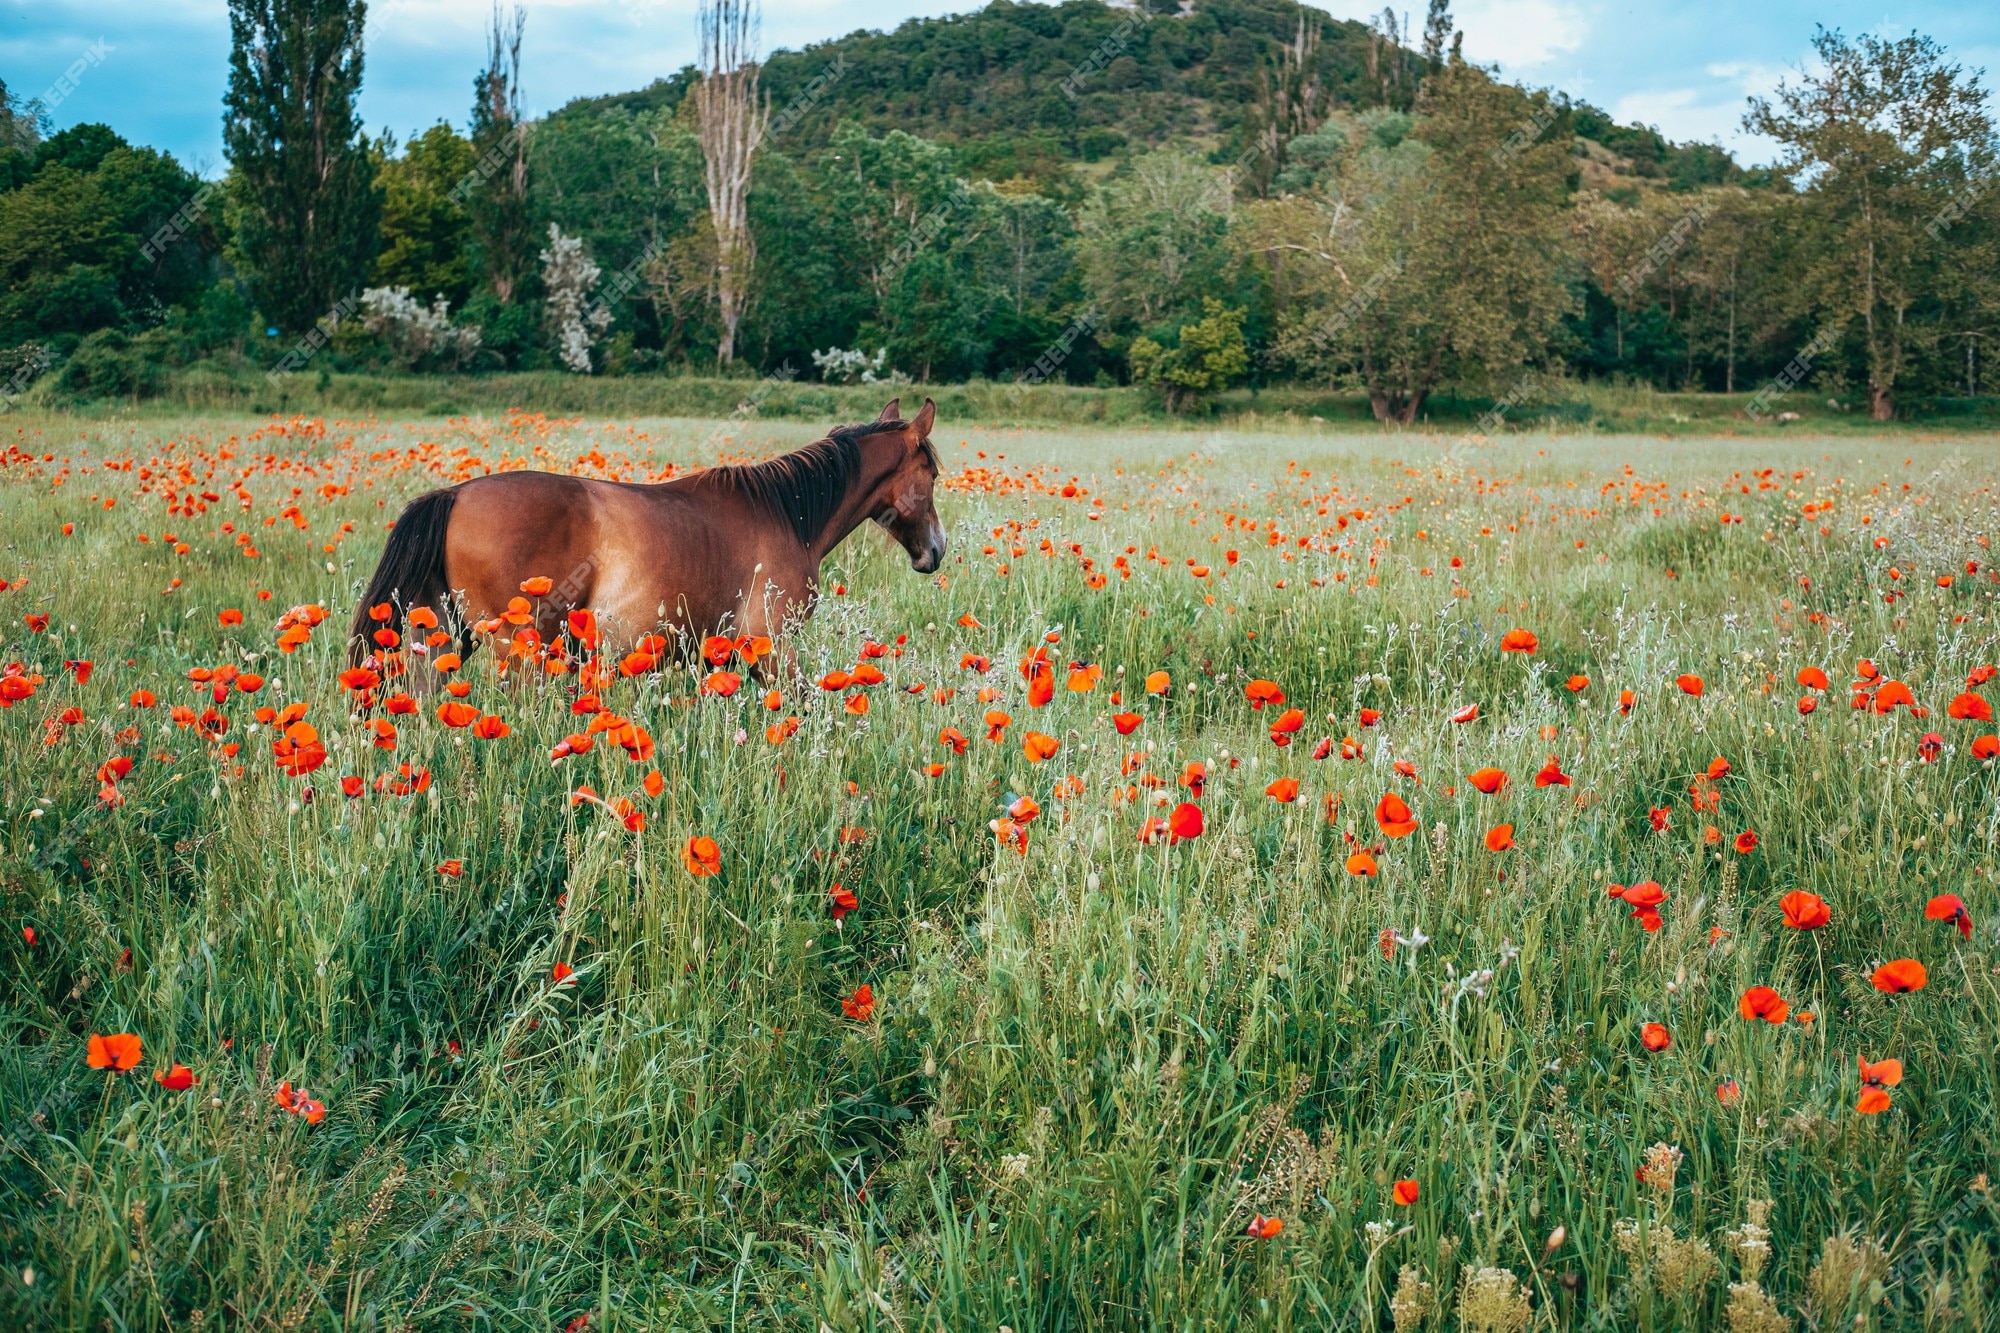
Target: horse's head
[905,510]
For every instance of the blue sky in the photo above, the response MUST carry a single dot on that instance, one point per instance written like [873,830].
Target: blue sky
[158,76]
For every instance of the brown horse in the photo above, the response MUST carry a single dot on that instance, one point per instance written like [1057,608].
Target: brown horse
[736,548]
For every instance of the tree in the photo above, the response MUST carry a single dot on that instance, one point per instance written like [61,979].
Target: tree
[1209,357]
[1880,139]
[1438,259]
[732,117]
[72,238]
[426,234]
[1151,242]
[494,191]
[304,209]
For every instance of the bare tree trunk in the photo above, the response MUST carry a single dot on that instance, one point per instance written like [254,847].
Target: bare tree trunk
[732,117]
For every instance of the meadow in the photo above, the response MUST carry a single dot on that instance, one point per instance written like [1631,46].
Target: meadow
[1279,880]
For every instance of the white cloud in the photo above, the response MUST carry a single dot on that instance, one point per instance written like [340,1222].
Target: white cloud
[1521,35]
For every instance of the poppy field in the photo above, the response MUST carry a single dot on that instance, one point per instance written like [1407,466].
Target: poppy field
[1266,880]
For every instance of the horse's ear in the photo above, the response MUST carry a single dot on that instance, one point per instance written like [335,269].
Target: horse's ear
[926,418]
[893,411]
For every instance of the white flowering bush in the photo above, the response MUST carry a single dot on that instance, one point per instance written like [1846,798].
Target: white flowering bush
[418,334]
[569,276]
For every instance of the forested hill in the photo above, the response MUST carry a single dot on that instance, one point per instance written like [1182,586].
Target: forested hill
[1022,89]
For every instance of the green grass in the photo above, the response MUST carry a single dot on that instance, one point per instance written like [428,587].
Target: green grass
[1570,406]
[1090,1065]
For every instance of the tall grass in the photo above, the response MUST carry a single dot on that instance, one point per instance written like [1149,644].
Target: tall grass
[1093,1063]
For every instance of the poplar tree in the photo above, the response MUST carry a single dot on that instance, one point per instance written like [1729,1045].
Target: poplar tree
[303,204]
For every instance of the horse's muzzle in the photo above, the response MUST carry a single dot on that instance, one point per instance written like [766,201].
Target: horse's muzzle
[928,562]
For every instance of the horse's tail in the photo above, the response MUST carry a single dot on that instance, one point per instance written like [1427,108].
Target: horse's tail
[411,571]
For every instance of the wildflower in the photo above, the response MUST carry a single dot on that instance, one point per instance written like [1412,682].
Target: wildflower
[1184,823]
[1765,1003]
[298,1103]
[1969,708]
[1900,976]
[1950,907]
[175,1078]
[842,900]
[1877,1078]
[1746,843]
[1264,1228]
[1405,1192]
[859,1006]
[1487,780]
[1361,863]
[701,856]
[1655,1037]
[116,1053]
[1805,911]
[561,973]
[1519,641]
[1283,789]
[1644,898]
[1394,817]
[1689,684]
[1261,692]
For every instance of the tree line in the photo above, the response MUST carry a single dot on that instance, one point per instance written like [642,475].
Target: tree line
[1377,216]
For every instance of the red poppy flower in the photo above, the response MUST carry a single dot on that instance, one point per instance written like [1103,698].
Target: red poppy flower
[1039,747]
[1746,843]
[842,901]
[298,1103]
[1729,1092]
[1969,708]
[1950,907]
[1468,713]
[116,1053]
[1394,816]
[1655,1037]
[1283,789]
[1813,678]
[1765,1003]
[1500,838]
[490,729]
[455,714]
[1519,641]
[1405,1192]
[1644,898]
[1184,823]
[701,856]
[1899,976]
[1263,1228]
[1690,684]
[1361,863]
[560,973]
[1551,775]
[1877,1077]
[1805,911]
[1261,692]
[1577,684]
[1126,723]
[1487,780]
[859,1006]
[1986,747]
[175,1078]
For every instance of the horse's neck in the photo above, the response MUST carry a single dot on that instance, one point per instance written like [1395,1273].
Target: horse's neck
[878,461]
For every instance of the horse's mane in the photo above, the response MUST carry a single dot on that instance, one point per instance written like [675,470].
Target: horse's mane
[804,487]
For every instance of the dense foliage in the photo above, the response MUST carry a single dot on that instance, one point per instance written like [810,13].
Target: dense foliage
[963,195]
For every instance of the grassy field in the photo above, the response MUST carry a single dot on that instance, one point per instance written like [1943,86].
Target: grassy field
[472,1053]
